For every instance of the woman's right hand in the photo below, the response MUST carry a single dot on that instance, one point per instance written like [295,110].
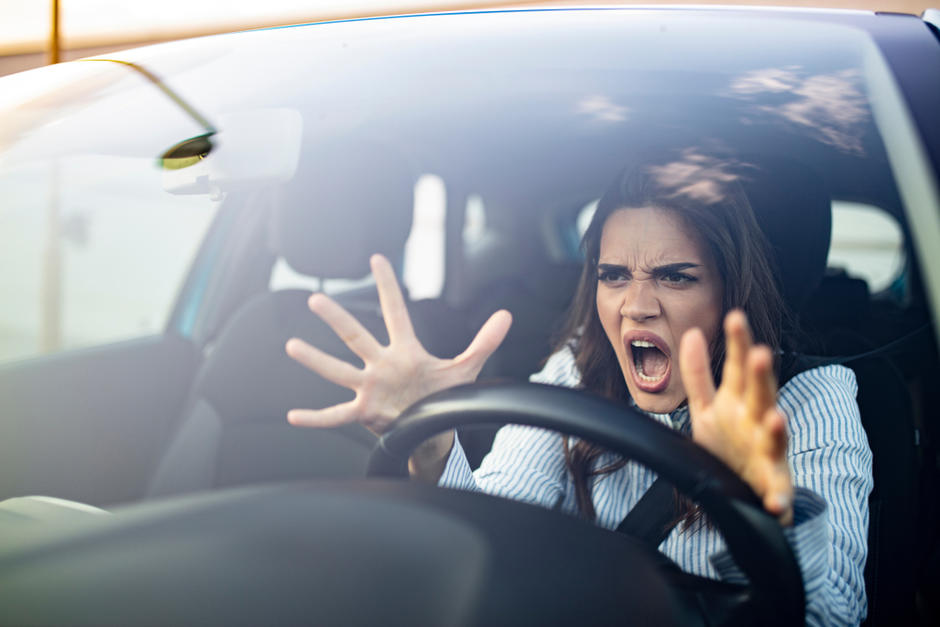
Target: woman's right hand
[394,376]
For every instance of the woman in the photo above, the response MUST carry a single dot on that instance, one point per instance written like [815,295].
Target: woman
[673,273]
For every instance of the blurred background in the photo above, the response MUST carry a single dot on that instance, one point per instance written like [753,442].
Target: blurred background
[90,27]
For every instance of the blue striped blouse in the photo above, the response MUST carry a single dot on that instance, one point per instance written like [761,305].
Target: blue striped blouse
[828,455]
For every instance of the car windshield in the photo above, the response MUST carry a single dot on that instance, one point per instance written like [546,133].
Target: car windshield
[513,135]
[166,214]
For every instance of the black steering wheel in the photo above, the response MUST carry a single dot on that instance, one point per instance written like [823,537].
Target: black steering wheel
[754,538]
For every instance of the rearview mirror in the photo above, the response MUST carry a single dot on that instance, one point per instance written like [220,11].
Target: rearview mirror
[250,148]
[186,153]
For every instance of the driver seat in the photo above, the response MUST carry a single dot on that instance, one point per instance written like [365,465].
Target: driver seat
[233,429]
[885,406]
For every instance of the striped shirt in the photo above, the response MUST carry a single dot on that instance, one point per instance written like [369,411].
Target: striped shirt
[829,459]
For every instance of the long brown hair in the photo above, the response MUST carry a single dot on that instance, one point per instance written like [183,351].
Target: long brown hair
[711,203]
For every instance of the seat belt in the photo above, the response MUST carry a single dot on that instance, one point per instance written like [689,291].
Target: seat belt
[654,516]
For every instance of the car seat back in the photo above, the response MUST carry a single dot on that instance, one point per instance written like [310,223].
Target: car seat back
[833,308]
[325,223]
[887,414]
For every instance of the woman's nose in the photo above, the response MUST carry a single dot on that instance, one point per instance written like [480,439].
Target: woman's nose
[640,302]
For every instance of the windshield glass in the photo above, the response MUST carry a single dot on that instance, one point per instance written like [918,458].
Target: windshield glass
[623,182]
[512,128]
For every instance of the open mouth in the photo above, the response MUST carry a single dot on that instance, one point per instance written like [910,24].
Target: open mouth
[650,364]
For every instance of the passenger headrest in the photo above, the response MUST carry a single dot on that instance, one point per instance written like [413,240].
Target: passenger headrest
[345,202]
[794,209]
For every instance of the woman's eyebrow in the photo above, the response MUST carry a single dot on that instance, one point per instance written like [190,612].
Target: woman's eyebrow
[676,267]
[663,269]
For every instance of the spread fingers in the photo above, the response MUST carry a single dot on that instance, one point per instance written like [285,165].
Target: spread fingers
[775,430]
[487,340]
[761,385]
[325,418]
[353,334]
[778,497]
[394,310]
[324,364]
[696,370]
[737,344]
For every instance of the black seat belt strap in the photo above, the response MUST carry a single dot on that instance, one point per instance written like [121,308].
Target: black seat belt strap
[654,515]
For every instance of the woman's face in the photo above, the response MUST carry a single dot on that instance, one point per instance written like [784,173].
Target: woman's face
[655,281]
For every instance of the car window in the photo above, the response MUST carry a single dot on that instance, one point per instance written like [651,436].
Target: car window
[88,267]
[474,224]
[101,245]
[867,243]
[425,247]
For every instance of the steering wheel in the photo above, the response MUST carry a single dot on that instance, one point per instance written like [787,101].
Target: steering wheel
[754,538]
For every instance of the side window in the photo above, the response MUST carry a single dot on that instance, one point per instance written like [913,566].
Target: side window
[94,251]
[474,222]
[94,247]
[424,250]
[867,243]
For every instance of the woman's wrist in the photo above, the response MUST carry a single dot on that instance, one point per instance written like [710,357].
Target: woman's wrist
[429,459]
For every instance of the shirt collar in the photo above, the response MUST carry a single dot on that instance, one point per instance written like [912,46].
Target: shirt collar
[677,419]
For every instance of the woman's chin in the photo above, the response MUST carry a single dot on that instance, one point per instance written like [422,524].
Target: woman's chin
[656,402]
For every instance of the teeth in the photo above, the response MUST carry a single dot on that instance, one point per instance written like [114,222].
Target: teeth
[638,363]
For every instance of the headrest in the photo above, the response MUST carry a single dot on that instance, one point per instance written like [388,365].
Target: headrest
[794,211]
[345,202]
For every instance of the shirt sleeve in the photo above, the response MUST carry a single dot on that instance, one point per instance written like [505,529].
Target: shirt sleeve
[830,460]
[457,472]
[525,463]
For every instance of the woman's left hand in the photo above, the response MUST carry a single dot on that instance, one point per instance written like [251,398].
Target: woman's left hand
[739,422]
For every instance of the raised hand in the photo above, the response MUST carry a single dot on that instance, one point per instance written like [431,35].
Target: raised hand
[394,376]
[739,422]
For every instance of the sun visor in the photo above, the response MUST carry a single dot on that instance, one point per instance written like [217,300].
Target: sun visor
[251,148]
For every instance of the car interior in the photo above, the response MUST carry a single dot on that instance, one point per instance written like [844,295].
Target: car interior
[232,430]
[203,405]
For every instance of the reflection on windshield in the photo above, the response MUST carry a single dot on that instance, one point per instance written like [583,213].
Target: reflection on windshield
[48,93]
[89,107]
[698,176]
[830,106]
[602,109]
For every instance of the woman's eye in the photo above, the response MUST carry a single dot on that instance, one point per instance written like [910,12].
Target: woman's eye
[677,278]
[611,276]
